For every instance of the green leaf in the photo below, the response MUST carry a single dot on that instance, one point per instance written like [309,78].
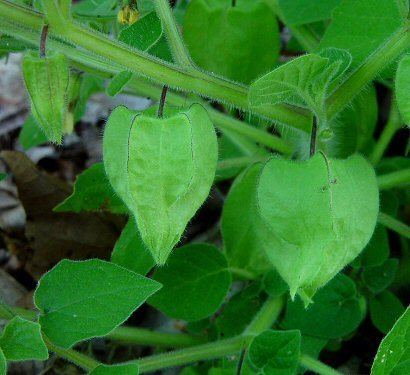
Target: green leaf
[47,81]
[3,363]
[303,81]
[394,351]
[402,88]
[86,299]
[320,213]
[162,169]
[377,250]
[2,176]
[385,309]
[361,26]
[243,238]
[21,340]
[121,369]
[273,284]
[238,312]
[31,135]
[143,34]
[92,192]
[197,277]
[130,252]
[299,12]
[335,313]
[250,43]
[118,82]
[275,352]
[377,278]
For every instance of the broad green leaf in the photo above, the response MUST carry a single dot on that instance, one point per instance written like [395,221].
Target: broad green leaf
[299,12]
[80,300]
[162,169]
[47,80]
[273,284]
[31,135]
[402,87]
[3,363]
[243,238]
[377,250]
[121,369]
[238,312]
[95,9]
[118,82]
[195,283]
[2,176]
[143,34]
[303,81]
[335,313]
[394,351]
[21,340]
[250,43]
[92,192]
[320,213]
[385,309]
[377,278]
[275,352]
[130,252]
[361,26]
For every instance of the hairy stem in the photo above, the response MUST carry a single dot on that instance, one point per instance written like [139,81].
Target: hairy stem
[393,125]
[394,225]
[101,48]
[172,33]
[366,72]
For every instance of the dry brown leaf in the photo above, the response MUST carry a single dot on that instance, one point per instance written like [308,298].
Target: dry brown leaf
[53,236]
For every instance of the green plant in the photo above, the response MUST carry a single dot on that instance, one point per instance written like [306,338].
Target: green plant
[304,231]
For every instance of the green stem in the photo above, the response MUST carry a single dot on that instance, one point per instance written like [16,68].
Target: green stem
[366,72]
[140,336]
[79,359]
[172,33]
[316,366]
[393,125]
[204,352]
[394,224]
[266,316]
[394,179]
[141,63]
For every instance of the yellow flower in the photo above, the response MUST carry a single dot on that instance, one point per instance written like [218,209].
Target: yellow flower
[128,15]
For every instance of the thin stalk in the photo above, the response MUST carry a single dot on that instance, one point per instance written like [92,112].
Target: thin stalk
[316,366]
[394,179]
[162,102]
[175,42]
[313,137]
[393,125]
[43,41]
[394,225]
